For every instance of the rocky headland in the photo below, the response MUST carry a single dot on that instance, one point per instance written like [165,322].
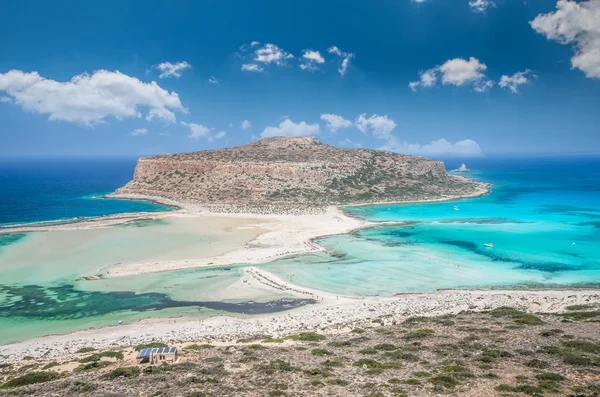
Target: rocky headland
[282,172]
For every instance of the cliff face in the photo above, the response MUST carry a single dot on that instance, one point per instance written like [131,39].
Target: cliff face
[294,171]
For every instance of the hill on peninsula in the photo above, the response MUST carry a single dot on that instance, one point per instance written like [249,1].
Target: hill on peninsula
[283,171]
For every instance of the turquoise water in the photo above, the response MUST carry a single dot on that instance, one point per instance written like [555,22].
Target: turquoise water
[537,210]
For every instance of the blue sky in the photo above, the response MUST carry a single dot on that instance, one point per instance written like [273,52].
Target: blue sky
[487,77]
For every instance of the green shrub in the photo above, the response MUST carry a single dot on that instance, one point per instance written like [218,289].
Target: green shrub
[151,344]
[517,316]
[92,366]
[317,372]
[308,337]
[581,316]
[30,379]
[420,334]
[385,347]
[445,381]
[50,365]
[416,320]
[127,372]
[535,363]
[551,332]
[550,376]
[575,308]
[490,375]
[276,366]
[368,362]
[583,346]
[338,382]
[86,350]
[368,351]
[198,347]
[321,352]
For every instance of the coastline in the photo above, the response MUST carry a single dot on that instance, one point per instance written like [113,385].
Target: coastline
[484,191]
[285,235]
[332,314]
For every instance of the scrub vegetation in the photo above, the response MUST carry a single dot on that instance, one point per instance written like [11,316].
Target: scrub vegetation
[503,352]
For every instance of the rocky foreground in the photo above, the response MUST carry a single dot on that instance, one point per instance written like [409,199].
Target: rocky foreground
[501,352]
[295,172]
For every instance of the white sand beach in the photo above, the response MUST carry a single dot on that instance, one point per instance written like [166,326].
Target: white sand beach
[331,314]
[237,238]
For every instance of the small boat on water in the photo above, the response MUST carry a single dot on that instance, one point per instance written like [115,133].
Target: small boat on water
[489,245]
[456,208]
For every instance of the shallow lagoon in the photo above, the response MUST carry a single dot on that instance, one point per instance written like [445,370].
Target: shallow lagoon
[536,212]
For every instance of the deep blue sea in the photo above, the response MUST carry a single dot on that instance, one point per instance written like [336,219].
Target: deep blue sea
[37,190]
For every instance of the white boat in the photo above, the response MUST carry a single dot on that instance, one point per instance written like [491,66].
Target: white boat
[489,245]
[456,208]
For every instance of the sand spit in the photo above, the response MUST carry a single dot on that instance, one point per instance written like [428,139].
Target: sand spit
[332,314]
[285,235]
[282,234]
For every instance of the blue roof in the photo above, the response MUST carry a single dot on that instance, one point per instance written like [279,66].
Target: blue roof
[156,350]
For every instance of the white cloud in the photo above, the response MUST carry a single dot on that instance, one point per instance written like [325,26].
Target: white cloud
[346,58]
[576,23]
[513,82]
[314,56]
[438,148]
[459,71]
[335,122]
[379,126]
[216,136]
[289,128]
[250,67]
[214,80]
[163,114]
[89,99]
[481,5]
[311,60]
[349,143]
[169,69]
[254,43]
[419,1]
[270,53]
[456,72]
[246,124]
[139,131]
[197,131]
[5,99]
[428,78]
[483,85]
